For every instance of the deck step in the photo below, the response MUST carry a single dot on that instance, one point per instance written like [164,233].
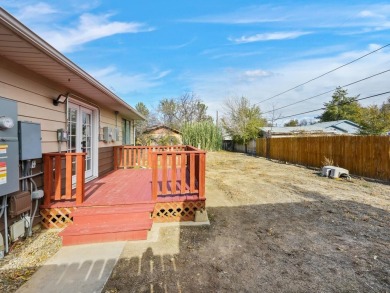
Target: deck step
[96,224]
[114,229]
[119,209]
[130,212]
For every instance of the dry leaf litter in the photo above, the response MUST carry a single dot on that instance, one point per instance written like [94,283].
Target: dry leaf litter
[26,257]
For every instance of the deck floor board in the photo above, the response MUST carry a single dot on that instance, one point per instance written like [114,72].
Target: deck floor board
[127,187]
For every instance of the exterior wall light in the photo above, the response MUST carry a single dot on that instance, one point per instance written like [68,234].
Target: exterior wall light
[61,99]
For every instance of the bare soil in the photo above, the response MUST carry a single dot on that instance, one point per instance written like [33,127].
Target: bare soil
[274,228]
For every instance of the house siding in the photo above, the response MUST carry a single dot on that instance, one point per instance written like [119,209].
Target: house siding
[106,160]
[34,98]
[34,95]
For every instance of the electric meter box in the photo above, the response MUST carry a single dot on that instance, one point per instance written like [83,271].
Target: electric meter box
[30,146]
[9,147]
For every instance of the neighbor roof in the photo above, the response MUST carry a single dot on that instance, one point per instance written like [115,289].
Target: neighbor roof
[338,127]
[22,46]
[155,127]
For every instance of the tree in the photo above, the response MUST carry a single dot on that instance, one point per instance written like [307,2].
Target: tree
[342,107]
[242,120]
[376,120]
[292,122]
[187,108]
[141,125]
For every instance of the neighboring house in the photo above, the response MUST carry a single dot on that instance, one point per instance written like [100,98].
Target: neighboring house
[81,152]
[322,128]
[161,133]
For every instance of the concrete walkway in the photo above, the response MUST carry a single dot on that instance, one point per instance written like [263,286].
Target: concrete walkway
[80,268]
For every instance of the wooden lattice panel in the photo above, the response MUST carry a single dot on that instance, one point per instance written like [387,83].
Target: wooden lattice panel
[176,211]
[56,217]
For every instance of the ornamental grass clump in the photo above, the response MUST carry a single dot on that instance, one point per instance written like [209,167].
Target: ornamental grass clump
[205,135]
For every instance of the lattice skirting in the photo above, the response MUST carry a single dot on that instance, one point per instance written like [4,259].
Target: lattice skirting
[177,211]
[56,217]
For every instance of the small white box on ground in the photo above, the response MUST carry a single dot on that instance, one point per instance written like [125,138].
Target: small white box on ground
[337,172]
[326,170]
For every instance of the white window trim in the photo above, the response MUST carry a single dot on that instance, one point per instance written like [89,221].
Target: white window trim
[95,131]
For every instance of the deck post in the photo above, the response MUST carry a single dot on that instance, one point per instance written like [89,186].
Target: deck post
[80,178]
[68,176]
[173,169]
[154,176]
[48,177]
[183,176]
[57,178]
[164,171]
[192,172]
[202,175]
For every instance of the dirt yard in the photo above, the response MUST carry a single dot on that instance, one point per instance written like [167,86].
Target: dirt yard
[274,228]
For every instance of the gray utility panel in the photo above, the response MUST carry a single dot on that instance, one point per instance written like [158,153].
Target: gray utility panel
[29,140]
[9,148]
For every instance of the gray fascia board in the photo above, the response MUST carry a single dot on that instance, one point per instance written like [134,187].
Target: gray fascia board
[24,32]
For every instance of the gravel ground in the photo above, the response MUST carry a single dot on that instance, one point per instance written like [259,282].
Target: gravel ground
[26,257]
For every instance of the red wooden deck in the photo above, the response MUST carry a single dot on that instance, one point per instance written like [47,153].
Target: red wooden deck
[154,185]
[125,187]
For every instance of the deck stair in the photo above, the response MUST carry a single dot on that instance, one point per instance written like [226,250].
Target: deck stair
[109,223]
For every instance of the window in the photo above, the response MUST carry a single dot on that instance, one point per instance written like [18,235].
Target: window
[126,132]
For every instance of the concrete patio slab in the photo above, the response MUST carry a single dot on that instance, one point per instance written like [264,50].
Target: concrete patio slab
[80,268]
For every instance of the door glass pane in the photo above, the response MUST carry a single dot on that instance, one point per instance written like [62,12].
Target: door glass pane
[86,139]
[80,135]
[123,131]
[72,131]
[127,132]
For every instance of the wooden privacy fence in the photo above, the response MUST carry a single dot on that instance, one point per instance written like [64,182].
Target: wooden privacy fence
[59,168]
[367,156]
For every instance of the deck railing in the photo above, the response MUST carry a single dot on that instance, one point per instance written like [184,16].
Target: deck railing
[58,171]
[138,156]
[178,172]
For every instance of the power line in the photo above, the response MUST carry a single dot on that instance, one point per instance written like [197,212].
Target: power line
[315,78]
[354,100]
[327,92]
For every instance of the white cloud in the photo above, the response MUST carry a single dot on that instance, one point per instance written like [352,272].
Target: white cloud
[257,73]
[125,83]
[366,13]
[180,46]
[35,12]
[245,15]
[268,37]
[89,28]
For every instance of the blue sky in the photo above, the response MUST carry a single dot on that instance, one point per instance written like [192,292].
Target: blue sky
[149,50]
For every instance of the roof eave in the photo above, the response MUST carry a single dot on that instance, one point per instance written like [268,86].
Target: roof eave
[24,32]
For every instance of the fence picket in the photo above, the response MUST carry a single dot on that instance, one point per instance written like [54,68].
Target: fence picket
[367,156]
